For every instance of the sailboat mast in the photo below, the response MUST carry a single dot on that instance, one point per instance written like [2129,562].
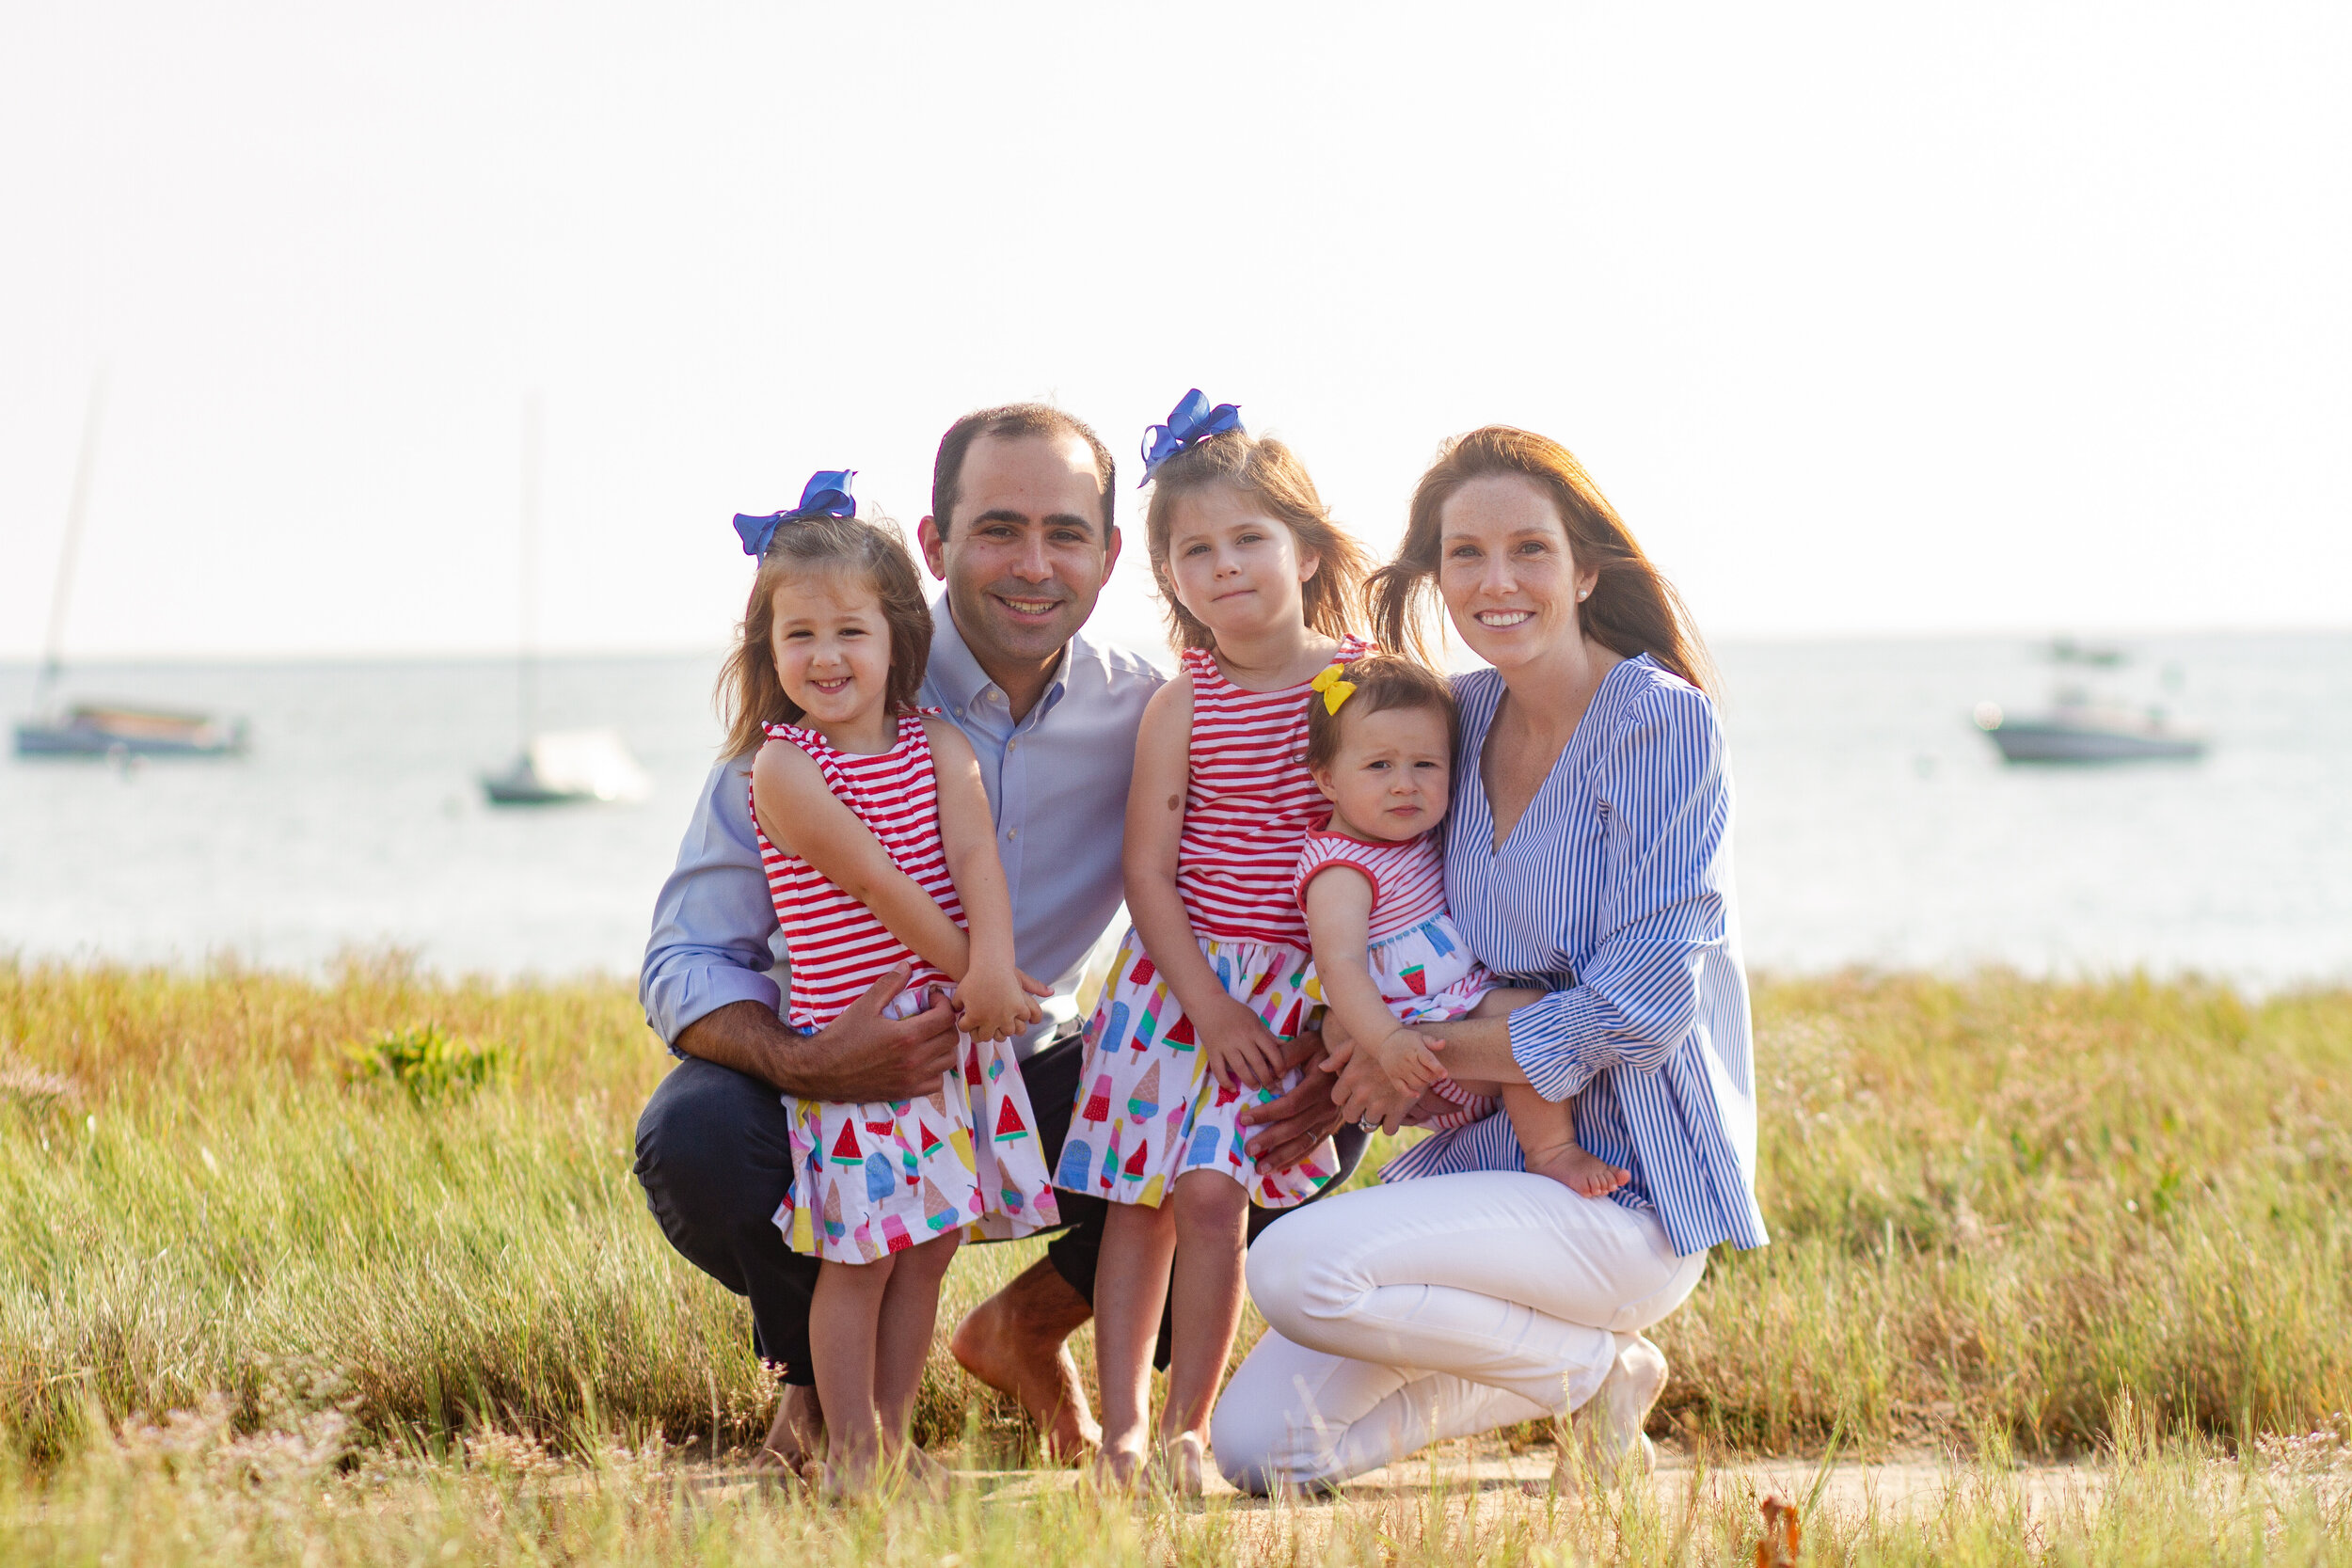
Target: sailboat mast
[84,473]
[527,672]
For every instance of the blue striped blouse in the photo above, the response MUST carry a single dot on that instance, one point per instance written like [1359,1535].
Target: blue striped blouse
[1613,894]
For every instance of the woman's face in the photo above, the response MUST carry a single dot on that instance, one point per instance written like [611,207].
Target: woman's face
[1240,571]
[1506,573]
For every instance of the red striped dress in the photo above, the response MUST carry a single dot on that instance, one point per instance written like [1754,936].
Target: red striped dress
[1249,806]
[836,945]
[870,1180]
[1148,1111]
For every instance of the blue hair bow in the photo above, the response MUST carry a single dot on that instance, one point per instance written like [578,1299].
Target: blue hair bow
[826,495]
[1191,421]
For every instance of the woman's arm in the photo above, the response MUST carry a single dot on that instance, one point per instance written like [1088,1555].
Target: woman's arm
[1235,1041]
[992,996]
[1339,918]
[1667,801]
[801,813]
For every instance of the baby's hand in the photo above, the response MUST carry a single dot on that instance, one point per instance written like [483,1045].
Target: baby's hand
[995,1004]
[1407,1058]
[1237,1046]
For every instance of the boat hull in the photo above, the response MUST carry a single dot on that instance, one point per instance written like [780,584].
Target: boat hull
[35,739]
[2027,740]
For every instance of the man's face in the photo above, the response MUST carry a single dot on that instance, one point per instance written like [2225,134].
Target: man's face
[1024,557]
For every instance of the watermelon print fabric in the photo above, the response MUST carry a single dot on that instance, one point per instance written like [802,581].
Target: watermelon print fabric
[1149,1110]
[879,1178]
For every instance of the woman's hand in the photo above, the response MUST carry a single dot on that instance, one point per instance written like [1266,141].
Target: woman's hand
[1236,1044]
[995,1003]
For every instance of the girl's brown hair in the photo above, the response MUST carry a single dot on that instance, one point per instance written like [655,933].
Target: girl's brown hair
[1633,610]
[1271,474]
[1382,681]
[750,694]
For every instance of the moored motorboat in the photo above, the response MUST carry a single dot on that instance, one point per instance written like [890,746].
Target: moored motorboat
[2082,731]
[568,767]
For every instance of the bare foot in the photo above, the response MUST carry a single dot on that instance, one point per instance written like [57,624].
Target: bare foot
[926,1477]
[1119,1469]
[1013,1342]
[796,1434]
[1579,1171]
[1181,1463]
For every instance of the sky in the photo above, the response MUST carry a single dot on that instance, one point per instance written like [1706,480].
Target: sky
[1871,320]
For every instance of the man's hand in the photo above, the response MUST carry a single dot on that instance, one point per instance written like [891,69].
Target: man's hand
[859,1056]
[1293,1123]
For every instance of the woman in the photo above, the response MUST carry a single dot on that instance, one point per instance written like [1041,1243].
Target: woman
[1588,855]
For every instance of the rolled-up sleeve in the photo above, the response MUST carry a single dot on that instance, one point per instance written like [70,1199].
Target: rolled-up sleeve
[1665,802]
[712,925]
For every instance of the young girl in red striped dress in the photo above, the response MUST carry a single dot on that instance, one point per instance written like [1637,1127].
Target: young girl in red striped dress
[1206,991]
[876,836]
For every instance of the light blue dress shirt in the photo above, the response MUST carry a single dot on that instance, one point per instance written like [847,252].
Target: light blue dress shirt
[1057,785]
[1614,894]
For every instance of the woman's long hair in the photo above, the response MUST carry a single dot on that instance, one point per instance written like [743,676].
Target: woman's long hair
[1274,476]
[1633,610]
[751,695]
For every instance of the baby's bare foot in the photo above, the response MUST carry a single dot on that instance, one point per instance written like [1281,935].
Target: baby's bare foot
[1579,1171]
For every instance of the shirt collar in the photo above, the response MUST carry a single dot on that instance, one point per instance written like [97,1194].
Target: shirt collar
[957,680]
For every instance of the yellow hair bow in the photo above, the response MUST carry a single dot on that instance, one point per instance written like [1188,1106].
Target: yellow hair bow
[1334,690]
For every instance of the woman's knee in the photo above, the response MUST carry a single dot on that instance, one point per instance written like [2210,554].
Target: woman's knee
[1291,1281]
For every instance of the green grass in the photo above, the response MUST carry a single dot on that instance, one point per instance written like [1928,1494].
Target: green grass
[1999,1205]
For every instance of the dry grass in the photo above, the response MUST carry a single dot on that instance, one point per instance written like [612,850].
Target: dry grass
[1999,1206]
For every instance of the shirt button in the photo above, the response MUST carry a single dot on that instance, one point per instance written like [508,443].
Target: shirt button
[1012,746]
[1012,832]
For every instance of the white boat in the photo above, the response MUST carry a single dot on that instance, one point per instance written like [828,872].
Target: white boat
[2085,731]
[568,767]
[561,766]
[119,730]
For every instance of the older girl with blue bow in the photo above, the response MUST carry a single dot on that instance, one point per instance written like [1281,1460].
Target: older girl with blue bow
[875,834]
[1207,989]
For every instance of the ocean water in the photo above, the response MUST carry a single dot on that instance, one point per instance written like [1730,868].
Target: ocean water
[1876,825]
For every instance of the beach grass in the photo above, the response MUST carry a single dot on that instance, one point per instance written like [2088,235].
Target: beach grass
[1999,1206]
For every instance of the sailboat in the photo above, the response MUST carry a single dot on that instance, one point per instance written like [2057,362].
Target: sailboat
[105,729]
[559,767]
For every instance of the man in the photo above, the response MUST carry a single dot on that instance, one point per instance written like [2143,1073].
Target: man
[1020,531]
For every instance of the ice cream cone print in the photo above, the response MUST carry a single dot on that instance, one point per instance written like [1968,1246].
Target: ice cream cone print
[863,1239]
[847,1150]
[1012,1199]
[937,1101]
[1144,1104]
[834,1228]
[1099,1102]
[1009,1123]
[938,1213]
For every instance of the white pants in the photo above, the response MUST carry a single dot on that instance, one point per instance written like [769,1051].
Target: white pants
[1433,1309]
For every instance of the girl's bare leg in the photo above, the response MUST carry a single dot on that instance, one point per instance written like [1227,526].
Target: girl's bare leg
[1212,1215]
[902,1341]
[1130,1283]
[844,1317]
